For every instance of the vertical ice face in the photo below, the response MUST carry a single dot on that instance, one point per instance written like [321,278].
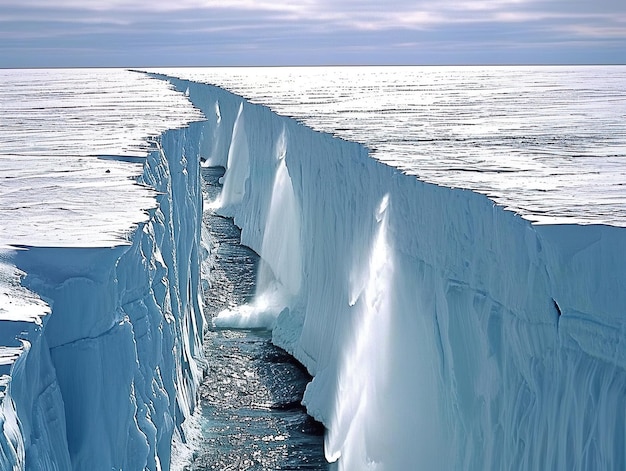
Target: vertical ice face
[280,250]
[213,142]
[32,421]
[108,378]
[356,408]
[237,167]
[443,332]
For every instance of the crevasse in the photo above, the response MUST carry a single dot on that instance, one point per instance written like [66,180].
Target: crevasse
[108,378]
[442,331]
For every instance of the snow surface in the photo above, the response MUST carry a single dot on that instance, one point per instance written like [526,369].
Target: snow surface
[100,317]
[548,142]
[443,331]
[72,145]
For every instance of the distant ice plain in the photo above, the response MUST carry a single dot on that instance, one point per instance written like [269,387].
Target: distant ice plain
[548,142]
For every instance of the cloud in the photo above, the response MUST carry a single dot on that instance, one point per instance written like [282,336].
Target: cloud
[155,5]
[364,31]
[359,14]
[595,31]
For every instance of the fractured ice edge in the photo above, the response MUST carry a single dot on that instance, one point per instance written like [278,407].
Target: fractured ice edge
[442,331]
[107,380]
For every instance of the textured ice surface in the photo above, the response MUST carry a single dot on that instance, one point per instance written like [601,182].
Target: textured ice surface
[72,144]
[443,332]
[100,323]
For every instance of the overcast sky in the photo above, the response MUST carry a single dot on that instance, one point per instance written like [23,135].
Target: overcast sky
[136,33]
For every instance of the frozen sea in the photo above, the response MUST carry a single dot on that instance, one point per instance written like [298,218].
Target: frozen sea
[546,142]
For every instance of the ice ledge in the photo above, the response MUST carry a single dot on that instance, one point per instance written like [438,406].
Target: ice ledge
[444,332]
[107,379]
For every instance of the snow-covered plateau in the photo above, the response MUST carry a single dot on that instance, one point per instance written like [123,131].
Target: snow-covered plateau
[443,331]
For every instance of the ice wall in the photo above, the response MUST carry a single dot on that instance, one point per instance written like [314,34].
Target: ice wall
[443,332]
[107,379]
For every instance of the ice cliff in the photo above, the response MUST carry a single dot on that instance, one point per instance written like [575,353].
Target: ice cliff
[106,380]
[443,332]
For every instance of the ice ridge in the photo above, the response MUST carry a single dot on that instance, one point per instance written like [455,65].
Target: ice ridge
[443,331]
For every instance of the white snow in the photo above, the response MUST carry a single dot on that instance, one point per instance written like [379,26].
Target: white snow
[443,331]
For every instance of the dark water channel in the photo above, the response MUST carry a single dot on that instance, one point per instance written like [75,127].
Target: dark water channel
[251,413]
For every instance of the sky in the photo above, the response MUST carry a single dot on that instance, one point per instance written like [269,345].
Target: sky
[152,33]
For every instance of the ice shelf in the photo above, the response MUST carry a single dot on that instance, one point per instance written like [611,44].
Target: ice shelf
[443,331]
[100,316]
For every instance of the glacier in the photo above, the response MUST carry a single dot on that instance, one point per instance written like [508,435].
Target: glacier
[106,340]
[441,330]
